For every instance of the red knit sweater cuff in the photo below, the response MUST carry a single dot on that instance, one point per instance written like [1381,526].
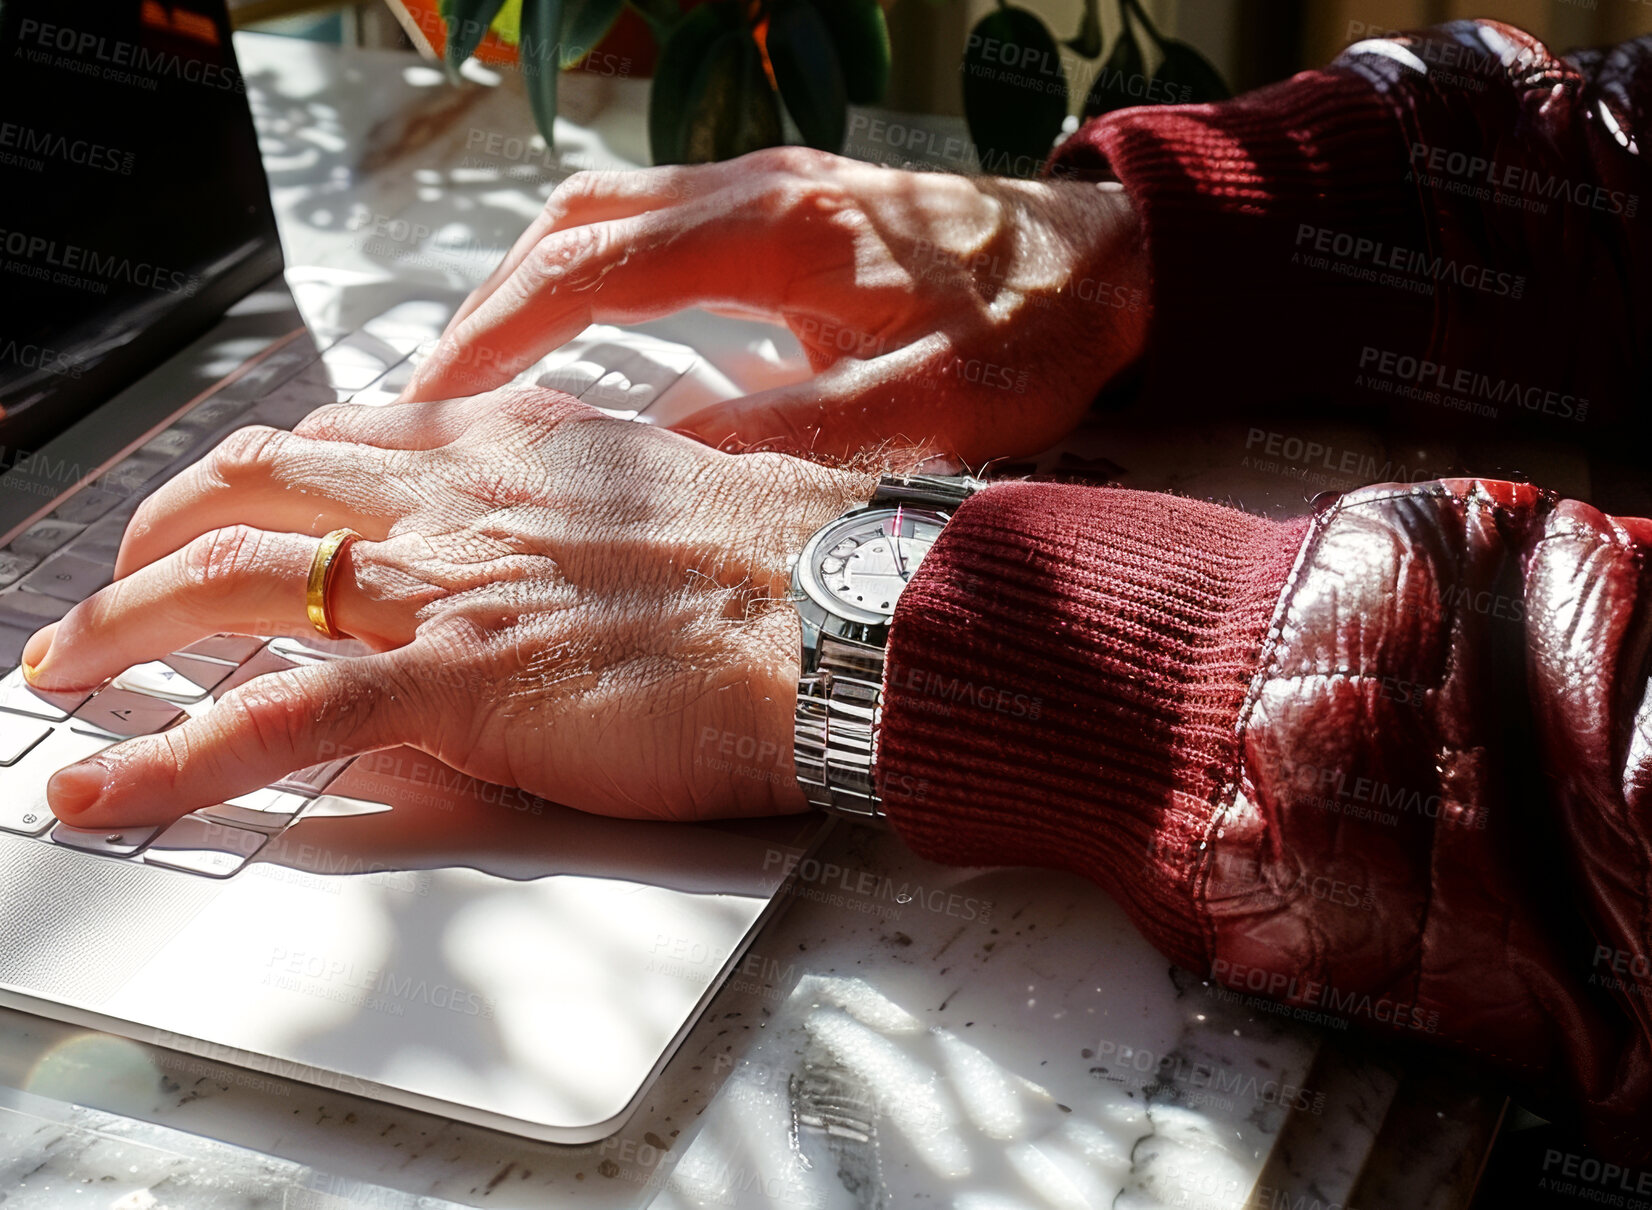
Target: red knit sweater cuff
[1065,674]
[1281,207]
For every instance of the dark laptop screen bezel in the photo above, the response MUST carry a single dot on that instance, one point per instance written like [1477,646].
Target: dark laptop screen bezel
[126,140]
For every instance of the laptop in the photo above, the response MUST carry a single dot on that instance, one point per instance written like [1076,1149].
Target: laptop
[382,925]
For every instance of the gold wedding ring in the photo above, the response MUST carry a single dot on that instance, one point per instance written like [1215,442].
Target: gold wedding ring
[322,570]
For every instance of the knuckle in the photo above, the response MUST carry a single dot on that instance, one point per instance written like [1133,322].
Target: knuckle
[212,563]
[541,408]
[563,257]
[793,161]
[327,421]
[272,711]
[584,185]
[245,453]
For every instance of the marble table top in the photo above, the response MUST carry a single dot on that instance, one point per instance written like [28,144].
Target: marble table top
[988,1040]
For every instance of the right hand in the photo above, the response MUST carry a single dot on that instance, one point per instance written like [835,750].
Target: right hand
[971,316]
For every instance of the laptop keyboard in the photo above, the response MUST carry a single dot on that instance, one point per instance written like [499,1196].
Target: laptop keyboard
[70,554]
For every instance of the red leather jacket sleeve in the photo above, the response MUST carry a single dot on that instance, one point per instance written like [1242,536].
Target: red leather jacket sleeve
[1390,764]
[1448,222]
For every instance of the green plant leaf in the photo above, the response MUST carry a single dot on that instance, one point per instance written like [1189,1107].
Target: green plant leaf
[807,71]
[1015,91]
[682,53]
[584,24]
[1187,76]
[467,25]
[1121,81]
[1087,41]
[538,57]
[732,108]
[861,38]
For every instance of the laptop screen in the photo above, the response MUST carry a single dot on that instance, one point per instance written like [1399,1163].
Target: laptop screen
[133,204]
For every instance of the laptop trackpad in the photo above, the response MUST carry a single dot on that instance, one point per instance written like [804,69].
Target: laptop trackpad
[76,928]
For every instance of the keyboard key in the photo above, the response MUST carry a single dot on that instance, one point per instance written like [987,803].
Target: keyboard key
[208,674]
[173,443]
[31,818]
[405,326]
[69,576]
[102,538]
[116,843]
[23,806]
[262,663]
[30,610]
[87,505]
[220,410]
[17,697]
[14,564]
[312,781]
[43,537]
[124,713]
[267,810]
[18,734]
[260,379]
[160,679]
[286,406]
[231,648]
[359,360]
[204,846]
[12,641]
[132,472]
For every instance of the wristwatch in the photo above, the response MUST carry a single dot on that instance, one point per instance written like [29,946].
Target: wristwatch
[846,583]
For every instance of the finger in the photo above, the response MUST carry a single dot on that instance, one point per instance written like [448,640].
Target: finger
[727,250]
[410,426]
[594,197]
[277,481]
[241,580]
[260,731]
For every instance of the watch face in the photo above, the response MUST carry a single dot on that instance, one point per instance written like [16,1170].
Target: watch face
[857,567]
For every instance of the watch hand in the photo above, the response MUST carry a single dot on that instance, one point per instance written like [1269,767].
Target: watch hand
[895,545]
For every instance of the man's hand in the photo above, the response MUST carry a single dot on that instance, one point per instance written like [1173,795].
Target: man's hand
[972,316]
[591,610]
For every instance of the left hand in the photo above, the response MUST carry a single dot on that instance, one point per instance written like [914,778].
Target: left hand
[590,610]
[970,316]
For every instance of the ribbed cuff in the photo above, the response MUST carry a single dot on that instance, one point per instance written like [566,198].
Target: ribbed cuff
[1267,218]
[1064,677]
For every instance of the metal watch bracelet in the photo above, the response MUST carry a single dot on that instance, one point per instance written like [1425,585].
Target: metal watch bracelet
[840,693]
[839,707]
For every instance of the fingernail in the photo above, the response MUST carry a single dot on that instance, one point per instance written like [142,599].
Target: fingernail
[35,652]
[76,788]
